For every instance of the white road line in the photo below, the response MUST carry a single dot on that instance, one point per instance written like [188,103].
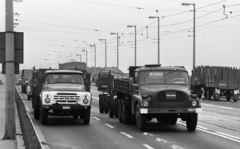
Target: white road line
[228,135]
[174,146]
[147,134]
[207,105]
[161,140]
[226,107]
[216,134]
[96,118]
[202,127]
[222,115]
[147,146]
[110,126]
[129,136]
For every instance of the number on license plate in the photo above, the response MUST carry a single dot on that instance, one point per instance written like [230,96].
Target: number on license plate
[66,107]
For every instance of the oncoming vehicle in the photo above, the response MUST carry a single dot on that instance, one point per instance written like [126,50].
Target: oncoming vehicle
[63,93]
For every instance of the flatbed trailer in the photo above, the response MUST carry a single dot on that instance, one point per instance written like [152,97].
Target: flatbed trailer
[216,82]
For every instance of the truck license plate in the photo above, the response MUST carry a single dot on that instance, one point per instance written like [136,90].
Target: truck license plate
[66,107]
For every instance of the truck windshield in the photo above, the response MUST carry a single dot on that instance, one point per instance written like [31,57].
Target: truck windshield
[169,77]
[64,78]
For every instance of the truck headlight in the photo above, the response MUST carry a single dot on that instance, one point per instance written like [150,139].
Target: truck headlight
[145,104]
[194,103]
[47,100]
[85,100]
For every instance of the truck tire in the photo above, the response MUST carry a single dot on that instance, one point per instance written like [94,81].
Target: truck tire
[141,119]
[111,107]
[106,104]
[173,120]
[36,109]
[23,89]
[116,108]
[28,97]
[120,111]
[208,94]
[100,103]
[235,100]
[192,121]
[44,116]
[75,115]
[126,114]
[86,117]
[228,97]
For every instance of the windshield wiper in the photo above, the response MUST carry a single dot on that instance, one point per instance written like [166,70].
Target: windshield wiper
[171,71]
[147,75]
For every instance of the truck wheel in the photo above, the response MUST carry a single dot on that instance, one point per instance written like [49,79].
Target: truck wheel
[86,117]
[116,108]
[36,110]
[75,115]
[192,121]
[126,115]
[120,111]
[235,100]
[228,97]
[33,102]
[106,104]
[208,95]
[100,103]
[44,116]
[111,107]
[28,97]
[141,119]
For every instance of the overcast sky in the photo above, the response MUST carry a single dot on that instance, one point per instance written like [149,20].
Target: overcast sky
[55,31]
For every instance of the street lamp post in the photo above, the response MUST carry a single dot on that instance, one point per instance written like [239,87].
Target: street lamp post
[194,34]
[80,57]
[94,58]
[86,55]
[135,42]
[153,17]
[105,51]
[117,49]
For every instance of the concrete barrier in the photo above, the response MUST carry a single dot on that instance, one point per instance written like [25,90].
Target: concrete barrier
[30,138]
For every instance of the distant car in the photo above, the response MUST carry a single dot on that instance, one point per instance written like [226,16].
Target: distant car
[29,92]
[18,82]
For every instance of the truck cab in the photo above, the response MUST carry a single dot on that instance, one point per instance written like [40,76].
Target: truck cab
[63,93]
[161,92]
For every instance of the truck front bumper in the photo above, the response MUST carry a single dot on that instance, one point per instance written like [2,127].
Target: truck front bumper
[169,110]
[67,107]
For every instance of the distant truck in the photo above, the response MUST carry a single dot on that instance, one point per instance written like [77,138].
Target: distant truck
[216,82]
[80,66]
[60,92]
[26,75]
[154,91]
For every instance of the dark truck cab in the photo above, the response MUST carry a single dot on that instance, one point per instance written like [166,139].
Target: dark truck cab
[157,92]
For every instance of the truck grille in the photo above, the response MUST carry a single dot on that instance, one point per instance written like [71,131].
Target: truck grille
[66,99]
[171,96]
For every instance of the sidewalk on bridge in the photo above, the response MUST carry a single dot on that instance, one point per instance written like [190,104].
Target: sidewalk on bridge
[5,144]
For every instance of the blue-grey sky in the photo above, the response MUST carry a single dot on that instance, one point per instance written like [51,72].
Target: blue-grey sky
[56,31]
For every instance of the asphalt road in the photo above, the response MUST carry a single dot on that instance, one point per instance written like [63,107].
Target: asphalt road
[218,128]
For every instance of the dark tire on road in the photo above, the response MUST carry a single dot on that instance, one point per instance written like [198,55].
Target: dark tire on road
[106,104]
[111,107]
[116,107]
[28,97]
[75,115]
[235,100]
[208,94]
[173,120]
[141,119]
[120,111]
[192,121]
[228,97]
[126,115]
[86,117]
[36,110]
[44,116]
[100,103]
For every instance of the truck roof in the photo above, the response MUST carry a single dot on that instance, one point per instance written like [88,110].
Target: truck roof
[181,68]
[64,71]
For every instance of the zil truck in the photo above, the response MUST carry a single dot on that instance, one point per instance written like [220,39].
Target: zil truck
[26,75]
[155,91]
[60,92]
[216,82]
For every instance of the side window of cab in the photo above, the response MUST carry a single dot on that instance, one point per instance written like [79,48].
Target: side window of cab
[135,78]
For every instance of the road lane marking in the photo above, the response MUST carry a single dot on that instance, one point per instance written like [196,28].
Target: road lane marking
[129,136]
[110,126]
[147,134]
[174,146]
[161,140]
[202,127]
[207,105]
[226,107]
[96,118]
[228,135]
[222,115]
[147,146]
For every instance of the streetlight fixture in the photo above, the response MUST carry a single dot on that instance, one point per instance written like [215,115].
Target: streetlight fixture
[130,26]
[94,57]
[105,51]
[194,34]
[80,56]
[153,17]
[117,49]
